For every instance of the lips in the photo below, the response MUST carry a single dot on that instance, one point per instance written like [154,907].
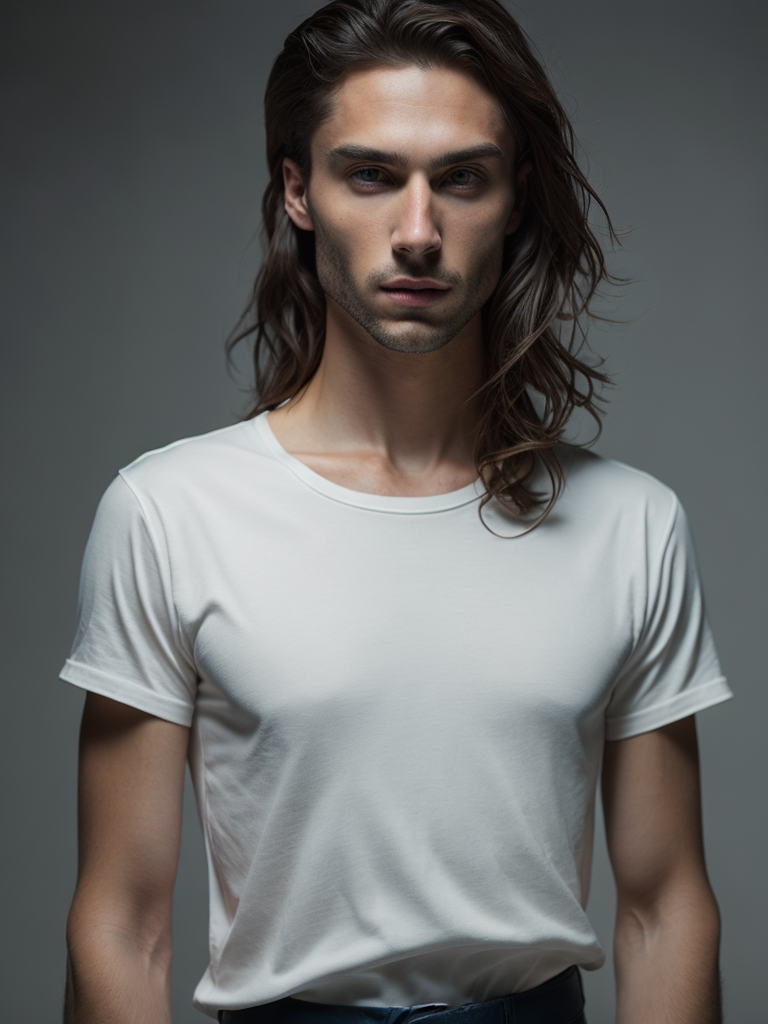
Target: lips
[415,293]
[405,284]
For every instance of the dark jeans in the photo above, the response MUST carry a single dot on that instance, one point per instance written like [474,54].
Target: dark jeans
[558,1001]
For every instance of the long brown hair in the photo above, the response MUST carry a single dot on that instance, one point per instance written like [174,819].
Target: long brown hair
[552,265]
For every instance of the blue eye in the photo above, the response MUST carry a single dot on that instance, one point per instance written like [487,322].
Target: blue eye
[367,170]
[465,170]
[474,178]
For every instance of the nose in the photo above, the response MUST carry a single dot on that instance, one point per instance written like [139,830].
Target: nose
[416,231]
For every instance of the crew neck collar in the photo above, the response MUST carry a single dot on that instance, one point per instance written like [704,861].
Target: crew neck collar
[373,502]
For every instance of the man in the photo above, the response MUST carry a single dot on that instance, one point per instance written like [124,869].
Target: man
[393,621]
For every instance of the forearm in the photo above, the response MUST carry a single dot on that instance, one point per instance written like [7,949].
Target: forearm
[666,962]
[112,979]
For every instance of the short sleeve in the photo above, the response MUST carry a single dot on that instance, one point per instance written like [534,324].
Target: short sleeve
[127,644]
[673,670]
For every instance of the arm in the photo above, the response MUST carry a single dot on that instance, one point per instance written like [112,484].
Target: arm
[667,932]
[130,796]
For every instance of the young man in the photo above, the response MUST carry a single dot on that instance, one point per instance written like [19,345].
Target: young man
[393,621]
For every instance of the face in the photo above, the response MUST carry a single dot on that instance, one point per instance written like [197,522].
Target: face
[412,178]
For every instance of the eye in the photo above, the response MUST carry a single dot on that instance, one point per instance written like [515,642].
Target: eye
[367,176]
[365,181]
[473,180]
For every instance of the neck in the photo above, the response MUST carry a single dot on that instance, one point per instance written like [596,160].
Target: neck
[409,411]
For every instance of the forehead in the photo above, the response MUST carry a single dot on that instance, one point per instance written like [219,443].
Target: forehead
[413,110]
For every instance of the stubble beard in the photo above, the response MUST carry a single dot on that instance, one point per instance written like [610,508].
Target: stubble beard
[423,328]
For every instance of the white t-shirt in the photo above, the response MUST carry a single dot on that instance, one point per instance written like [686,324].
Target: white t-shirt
[397,718]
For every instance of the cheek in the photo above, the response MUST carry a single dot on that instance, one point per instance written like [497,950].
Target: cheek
[476,250]
[481,230]
[344,235]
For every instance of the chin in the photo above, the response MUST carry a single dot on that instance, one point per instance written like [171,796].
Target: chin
[410,341]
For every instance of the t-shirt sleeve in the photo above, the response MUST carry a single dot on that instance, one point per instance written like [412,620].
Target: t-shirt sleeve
[673,670]
[128,644]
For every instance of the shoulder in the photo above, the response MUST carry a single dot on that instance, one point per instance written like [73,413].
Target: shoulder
[609,491]
[194,465]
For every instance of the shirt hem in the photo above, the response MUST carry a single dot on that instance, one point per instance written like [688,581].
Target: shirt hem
[126,692]
[715,691]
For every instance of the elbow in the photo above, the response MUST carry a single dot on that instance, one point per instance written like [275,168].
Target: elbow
[145,938]
[688,907]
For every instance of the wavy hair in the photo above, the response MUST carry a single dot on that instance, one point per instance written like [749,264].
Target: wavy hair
[552,265]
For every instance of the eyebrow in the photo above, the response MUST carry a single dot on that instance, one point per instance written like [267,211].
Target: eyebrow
[378,156]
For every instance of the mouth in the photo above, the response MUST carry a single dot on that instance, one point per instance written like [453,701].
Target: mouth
[416,294]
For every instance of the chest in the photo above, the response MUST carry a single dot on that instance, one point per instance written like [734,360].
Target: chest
[408,620]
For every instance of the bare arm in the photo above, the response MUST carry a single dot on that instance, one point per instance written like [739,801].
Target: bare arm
[130,796]
[667,933]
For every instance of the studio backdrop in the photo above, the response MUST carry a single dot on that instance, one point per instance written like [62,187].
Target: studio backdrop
[134,171]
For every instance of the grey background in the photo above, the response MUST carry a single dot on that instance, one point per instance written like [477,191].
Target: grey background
[134,174]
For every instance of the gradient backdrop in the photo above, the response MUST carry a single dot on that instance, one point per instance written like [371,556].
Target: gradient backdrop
[135,168]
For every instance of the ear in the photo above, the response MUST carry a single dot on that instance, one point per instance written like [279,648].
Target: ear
[521,192]
[295,195]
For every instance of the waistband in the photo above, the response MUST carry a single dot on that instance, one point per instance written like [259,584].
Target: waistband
[557,1001]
